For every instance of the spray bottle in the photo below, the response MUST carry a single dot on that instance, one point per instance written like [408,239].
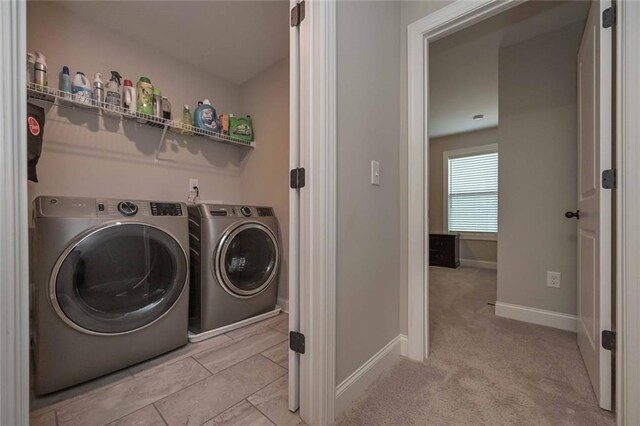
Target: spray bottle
[113,89]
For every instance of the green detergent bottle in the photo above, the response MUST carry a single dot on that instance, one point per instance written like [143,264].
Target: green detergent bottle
[241,128]
[144,96]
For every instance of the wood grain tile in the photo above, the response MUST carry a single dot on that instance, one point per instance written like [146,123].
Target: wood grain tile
[279,354]
[212,396]
[188,350]
[125,398]
[242,414]
[53,400]
[256,328]
[216,360]
[283,325]
[47,418]
[147,416]
[273,402]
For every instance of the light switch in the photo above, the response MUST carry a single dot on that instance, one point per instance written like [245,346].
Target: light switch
[375,173]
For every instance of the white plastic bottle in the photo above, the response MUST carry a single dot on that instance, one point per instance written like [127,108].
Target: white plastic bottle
[129,97]
[81,89]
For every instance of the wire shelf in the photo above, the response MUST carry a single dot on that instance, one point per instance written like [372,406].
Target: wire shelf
[58,97]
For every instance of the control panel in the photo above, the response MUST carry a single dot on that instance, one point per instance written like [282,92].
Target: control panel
[166,209]
[136,208]
[239,211]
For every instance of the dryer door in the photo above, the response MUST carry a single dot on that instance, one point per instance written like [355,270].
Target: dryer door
[118,278]
[247,259]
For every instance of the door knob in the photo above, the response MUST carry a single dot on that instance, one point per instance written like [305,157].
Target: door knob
[571,215]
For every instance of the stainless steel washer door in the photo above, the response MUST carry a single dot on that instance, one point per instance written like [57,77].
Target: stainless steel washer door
[118,278]
[247,259]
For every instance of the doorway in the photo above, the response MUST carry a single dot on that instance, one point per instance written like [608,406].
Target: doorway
[435,30]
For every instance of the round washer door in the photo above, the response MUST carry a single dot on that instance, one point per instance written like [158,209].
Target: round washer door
[247,259]
[119,278]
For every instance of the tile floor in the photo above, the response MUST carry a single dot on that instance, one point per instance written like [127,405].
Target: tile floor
[232,379]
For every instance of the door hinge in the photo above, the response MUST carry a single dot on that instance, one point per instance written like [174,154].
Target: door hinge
[297,178]
[296,342]
[609,17]
[608,339]
[609,180]
[297,14]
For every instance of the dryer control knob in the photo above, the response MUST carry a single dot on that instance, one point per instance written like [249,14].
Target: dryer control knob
[127,208]
[246,211]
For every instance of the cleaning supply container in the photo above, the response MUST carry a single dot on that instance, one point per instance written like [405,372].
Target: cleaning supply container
[129,102]
[81,89]
[40,73]
[65,81]
[144,96]
[205,117]
[166,108]
[241,128]
[113,97]
[157,102]
[98,89]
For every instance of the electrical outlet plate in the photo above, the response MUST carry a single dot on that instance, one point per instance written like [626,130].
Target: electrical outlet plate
[553,279]
[192,183]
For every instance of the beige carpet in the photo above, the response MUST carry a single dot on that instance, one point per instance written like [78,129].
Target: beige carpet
[483,370]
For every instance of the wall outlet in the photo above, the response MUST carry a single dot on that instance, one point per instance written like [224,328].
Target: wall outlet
[553,279]
[375,173]
[192,183]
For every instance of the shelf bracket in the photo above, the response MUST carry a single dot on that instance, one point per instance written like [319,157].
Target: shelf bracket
[161,143]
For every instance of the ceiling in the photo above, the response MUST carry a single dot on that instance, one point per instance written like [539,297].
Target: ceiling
[233,40]
[463,67]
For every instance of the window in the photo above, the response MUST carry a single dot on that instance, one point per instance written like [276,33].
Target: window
[471,190]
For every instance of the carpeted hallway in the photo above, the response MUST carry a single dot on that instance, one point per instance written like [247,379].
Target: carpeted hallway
[482,370]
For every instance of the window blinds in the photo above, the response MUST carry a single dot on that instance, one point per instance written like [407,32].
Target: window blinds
[473,193]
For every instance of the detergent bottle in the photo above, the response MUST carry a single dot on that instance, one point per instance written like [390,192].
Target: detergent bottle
[205,117]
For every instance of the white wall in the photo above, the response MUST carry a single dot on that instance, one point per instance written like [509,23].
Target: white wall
[265,169]
[368,217]
[85,155]
[486,251]
[410,11]
[537,172]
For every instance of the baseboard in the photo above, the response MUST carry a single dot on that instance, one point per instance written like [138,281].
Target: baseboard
[403,344]
[354,386]
[537,316]
[284,304]
[483,264]
[199,337]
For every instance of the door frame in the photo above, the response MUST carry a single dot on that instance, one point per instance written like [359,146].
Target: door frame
[462,14]
[627,199]
[14,255]
[317,220]
[318,211]
[447,20]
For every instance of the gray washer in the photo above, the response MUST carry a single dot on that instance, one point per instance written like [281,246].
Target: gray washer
[111,286]
[235,261]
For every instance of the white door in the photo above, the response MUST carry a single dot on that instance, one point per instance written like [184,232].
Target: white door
[594,202]
[294,210]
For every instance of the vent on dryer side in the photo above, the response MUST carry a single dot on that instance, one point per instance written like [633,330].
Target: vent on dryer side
[265,211]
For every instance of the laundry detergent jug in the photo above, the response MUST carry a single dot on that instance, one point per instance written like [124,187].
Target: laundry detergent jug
[205,117]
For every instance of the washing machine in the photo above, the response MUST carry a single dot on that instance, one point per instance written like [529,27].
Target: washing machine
[111,286]
[235,260]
